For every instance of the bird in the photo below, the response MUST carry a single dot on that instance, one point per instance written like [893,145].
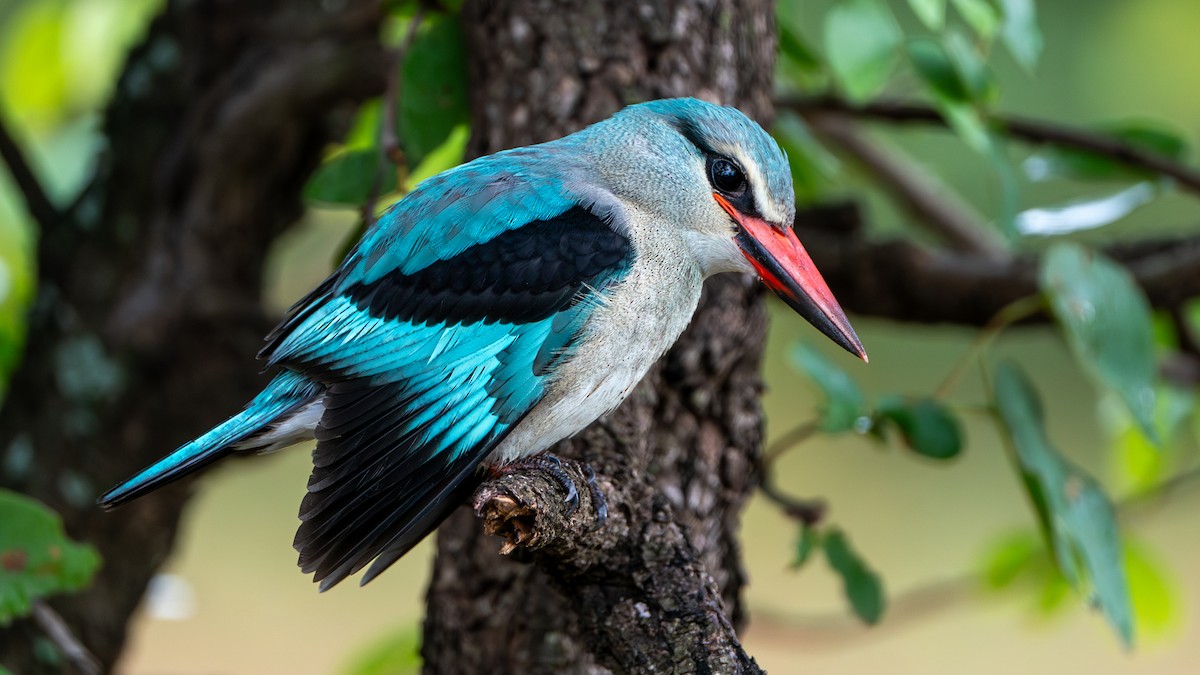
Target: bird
[500,307]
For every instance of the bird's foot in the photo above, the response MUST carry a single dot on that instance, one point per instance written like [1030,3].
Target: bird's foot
[553,465]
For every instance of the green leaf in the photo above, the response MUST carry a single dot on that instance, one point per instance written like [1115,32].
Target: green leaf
[17,282]
[970,65]
[1055,591]
[36,558]
[806,542]
[794,49]
[932,13]
[1106,319]
[1156,604]
[347,178]
[926,426]
[434,97]
[862,585]
[814,168]
[952,70]
[364,130]
[36,83]
[958,80]
[446,156]
[1152,137]
[966,121]
[1140,465]
[1020,32]
[396,653]
[844,401]
[861,42]
[980,16]
[1009,557]
[1071,506]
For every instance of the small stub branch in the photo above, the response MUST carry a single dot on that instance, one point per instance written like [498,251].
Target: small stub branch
[643,596]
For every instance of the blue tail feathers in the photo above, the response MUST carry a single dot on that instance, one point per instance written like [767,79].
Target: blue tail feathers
[286,393]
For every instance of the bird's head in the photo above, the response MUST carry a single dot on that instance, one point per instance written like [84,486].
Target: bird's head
[715,173]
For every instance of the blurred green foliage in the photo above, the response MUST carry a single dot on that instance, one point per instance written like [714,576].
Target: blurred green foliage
[395,653]
[59,61]
[863,587]
[1075,514]
[1106,320]
[36,557]
[944,54]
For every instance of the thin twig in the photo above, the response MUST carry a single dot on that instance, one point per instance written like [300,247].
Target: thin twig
[390,150]
[926,600]
[1012,313]
[1142,503]
[60,634]
[1188,342]
[1038,132]
[36,200]
[938,210]
[808,511]
[787,441]
[834,630]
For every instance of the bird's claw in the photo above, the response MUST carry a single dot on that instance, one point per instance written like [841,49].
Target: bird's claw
[553,465]
[598,500]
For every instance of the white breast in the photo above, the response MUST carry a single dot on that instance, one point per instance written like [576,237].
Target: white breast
[640,319]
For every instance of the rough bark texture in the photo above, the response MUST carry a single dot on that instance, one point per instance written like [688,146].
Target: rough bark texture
[677,458]
[148,312]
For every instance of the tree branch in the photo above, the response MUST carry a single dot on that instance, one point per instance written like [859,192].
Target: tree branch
[60,634]
[1037,132]
[901,280]
[938,210]
[658,610]
[36,200]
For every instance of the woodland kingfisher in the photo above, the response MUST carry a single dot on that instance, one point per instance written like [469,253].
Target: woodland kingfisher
[501,307]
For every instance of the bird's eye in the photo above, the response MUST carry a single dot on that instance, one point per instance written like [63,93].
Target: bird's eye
[726,176]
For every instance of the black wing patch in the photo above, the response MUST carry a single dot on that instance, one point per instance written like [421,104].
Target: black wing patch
[375,492]
[379,483]
[522,275]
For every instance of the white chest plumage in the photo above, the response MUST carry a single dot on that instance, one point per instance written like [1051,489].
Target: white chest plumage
[640,318]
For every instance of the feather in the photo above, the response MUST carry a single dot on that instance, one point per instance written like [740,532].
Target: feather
[427,369]
[287,394]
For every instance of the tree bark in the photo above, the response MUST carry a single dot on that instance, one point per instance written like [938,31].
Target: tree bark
[148,310]
[679,456]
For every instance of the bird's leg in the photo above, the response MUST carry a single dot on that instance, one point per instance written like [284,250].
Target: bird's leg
[553,465]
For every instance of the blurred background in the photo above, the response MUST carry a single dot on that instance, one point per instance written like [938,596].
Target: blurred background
[938,533]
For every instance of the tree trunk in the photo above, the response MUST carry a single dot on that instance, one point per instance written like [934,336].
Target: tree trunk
[148,311]
[683,449]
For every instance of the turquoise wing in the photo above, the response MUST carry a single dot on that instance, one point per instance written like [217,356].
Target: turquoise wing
[429,364]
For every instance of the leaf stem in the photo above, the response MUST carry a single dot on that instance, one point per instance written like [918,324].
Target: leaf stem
[808,511]
[934,207]
[788,441]
[1008,315]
